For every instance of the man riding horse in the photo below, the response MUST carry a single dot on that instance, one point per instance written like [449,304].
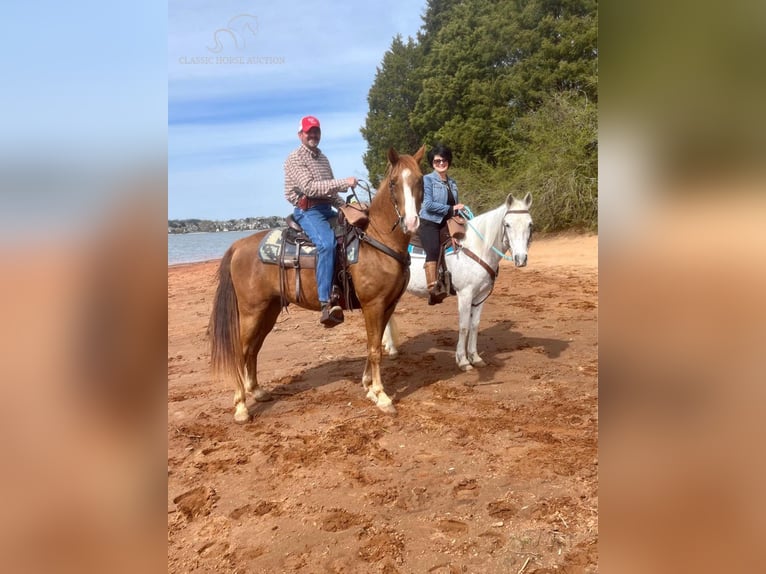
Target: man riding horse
[311,187]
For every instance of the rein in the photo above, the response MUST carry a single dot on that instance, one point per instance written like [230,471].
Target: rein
[404,260]
[469,216]
[391,185]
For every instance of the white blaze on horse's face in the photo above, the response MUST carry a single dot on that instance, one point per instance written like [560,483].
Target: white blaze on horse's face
[411,220]
[517,231]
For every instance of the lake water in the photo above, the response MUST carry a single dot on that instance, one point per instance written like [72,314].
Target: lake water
[192,247]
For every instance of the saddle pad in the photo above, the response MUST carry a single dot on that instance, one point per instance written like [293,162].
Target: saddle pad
[415,250]
[271,244]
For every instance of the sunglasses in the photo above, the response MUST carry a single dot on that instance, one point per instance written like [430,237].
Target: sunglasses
[441,161]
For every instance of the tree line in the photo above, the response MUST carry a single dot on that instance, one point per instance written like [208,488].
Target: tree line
[512,87]
[217,225]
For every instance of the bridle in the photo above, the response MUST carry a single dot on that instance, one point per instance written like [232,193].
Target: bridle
[521,211]
[403,259]
[495,249]
[391,186]
[399,217]
[491,272]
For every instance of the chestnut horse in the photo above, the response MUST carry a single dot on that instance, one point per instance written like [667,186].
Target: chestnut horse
[248,299]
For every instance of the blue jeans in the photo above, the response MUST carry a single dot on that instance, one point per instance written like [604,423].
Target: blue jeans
[315,223]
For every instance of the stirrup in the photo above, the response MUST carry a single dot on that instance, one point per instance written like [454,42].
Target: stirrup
[436,295]
[331,315]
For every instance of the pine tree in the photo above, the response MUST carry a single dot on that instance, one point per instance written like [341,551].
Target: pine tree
[391,99]
[511,86]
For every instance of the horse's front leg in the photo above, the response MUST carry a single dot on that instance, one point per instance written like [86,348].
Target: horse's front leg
[367,377]
[371,379]
[473,336]
[464,323]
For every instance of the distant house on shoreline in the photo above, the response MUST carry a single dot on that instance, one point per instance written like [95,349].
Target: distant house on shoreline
[214,226]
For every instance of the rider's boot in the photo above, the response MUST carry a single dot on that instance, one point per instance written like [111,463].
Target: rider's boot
[331,314]
[436,292]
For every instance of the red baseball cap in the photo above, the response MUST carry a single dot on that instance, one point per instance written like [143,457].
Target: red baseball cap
[309,122]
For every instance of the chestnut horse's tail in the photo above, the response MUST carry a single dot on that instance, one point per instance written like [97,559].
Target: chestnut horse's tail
[226,359]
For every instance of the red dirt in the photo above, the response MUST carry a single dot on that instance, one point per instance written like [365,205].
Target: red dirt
[490,471]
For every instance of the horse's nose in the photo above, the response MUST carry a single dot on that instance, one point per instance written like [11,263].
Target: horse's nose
[520,260]
[412,223]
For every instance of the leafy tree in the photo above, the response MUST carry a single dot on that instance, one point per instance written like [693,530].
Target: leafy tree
[437,14]
[391,99]
[557,161]
[555,50]
[461,101]
[511,86]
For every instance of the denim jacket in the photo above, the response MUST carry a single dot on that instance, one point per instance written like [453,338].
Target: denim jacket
[435,205]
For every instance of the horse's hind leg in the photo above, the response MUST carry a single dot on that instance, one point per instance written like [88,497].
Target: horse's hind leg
[390,338]
[241,414]
[258,326]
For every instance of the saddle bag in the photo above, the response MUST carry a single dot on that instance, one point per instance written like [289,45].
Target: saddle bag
[355,214]
[456,226]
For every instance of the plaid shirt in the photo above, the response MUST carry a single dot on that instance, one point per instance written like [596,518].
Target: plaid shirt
[309,173]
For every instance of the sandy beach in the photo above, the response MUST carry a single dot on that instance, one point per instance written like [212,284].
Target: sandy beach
[492,471]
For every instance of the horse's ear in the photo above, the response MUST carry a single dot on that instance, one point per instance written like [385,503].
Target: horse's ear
[419,154]
[393,157]
[528,199]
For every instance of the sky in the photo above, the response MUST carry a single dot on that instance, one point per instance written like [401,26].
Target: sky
[83,110]
[82,80]
[240,77]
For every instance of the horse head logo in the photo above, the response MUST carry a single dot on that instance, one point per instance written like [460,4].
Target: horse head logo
[239,29]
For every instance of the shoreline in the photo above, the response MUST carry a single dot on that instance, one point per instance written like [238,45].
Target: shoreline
[190,263]
[550,247]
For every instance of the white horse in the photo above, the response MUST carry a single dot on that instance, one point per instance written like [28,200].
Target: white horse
[474,267]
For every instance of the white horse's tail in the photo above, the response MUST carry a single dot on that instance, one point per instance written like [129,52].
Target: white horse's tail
[391,338]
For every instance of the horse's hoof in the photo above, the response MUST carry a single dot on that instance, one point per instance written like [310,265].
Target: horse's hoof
[467,367]
[262,396]
[242,420]
[242,415]
[479,363]
[388,409]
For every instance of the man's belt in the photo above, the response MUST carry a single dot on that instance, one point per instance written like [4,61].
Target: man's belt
[306,202]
